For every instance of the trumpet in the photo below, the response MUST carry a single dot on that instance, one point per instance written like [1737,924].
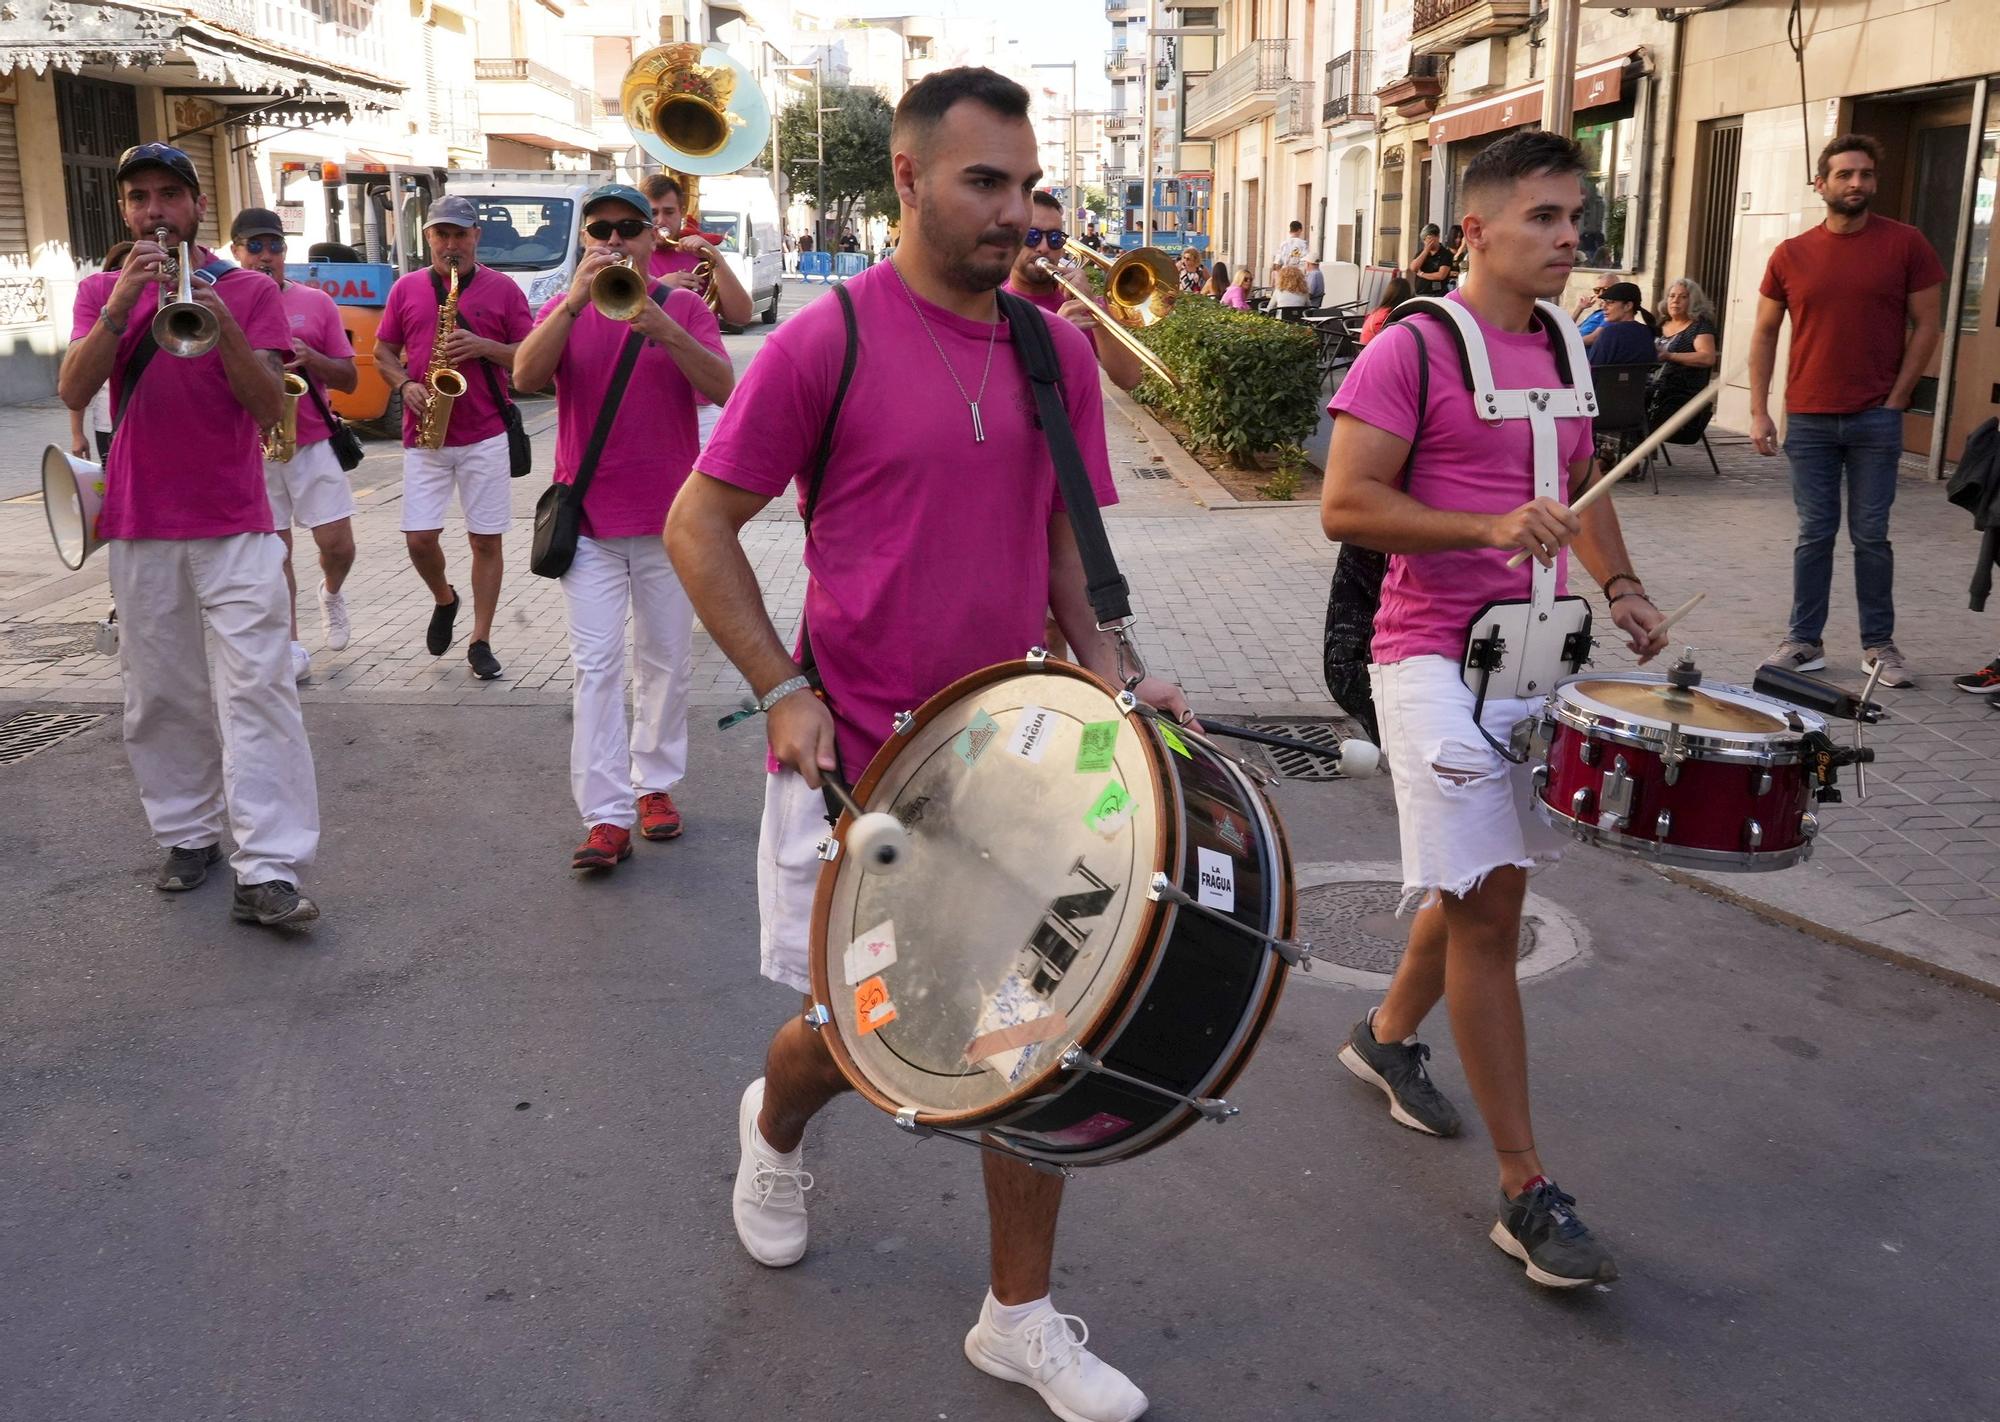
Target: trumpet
[182,327]
[281,441]
[618,292]
[1113,327]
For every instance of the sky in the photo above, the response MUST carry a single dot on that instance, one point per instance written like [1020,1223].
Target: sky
[1051,34]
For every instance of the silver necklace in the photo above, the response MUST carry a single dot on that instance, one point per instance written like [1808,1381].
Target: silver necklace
[971,401]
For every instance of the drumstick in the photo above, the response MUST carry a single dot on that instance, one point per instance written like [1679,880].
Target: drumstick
[1678,613]
[1639,453]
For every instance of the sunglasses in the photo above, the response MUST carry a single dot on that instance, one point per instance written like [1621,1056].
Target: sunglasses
[1054,236]
[258,246]
[626,227]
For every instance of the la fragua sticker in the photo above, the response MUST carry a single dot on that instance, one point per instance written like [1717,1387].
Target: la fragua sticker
[872,1008]
[971,743]
[1098,748]
[1031,734]
[1110,811]
[871,952]
[1215,886]
[1174,742]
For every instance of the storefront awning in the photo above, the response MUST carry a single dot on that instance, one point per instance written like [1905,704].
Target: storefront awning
[1596,84]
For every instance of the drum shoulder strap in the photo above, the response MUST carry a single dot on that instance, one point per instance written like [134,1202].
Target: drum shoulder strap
[823,451]
[142,356]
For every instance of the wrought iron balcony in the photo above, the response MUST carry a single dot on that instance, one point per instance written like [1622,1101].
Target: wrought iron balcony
[1293,118]
[1242,89]
[1443,26]
[1123,61]
[1350,92]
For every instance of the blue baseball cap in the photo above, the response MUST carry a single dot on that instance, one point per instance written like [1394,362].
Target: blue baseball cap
[618,192]
[452,211]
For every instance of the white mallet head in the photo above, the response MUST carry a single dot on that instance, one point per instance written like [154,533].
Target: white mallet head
[877,840]
[1359,758]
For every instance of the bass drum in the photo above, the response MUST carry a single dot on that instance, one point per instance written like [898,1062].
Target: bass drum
[1021,972]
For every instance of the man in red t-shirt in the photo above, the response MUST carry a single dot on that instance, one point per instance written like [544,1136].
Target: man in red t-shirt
[1862,292]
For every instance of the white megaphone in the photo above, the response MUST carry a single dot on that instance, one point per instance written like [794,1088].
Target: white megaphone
[72,493]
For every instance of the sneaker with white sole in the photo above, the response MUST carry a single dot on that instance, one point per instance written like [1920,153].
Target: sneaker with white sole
[1044,1354]
[302,662]
[1889,657]
[1798,656]
[1398,1069]
[333,617]
[770,1197]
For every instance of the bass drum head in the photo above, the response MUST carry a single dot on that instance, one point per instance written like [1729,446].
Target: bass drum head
[1034,809]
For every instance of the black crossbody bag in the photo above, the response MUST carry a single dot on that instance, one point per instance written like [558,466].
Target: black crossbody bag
[559,511]
[346,443]
[520,455]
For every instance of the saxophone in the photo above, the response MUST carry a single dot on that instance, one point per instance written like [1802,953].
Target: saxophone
[442,383]
[281,441]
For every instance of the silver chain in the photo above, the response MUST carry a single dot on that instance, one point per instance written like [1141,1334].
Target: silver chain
[971,401]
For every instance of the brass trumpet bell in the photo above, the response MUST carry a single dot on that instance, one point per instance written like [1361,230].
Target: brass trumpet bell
[694,109]
[184,327]
[618,292]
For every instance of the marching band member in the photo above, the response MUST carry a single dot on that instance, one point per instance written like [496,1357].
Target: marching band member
[196,572]
[1044,241]
[937,544]
[1463,798]
[620,558]
[474,459]
[680,249]
[310,489]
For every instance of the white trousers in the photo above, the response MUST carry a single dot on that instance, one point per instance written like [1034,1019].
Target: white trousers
[608,765]
[212,723]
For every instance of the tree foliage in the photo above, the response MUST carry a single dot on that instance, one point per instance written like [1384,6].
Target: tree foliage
[857,152]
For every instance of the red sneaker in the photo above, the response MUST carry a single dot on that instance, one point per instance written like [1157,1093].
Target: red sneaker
[605,846]
[658,819]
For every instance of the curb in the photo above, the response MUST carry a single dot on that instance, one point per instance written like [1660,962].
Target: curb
[1185,468]
[1821,905]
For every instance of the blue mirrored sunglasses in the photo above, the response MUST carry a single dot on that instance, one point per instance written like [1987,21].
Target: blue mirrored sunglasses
[1054,235]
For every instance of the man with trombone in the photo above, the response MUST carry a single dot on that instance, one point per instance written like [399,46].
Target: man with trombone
[1035,278]
[630,467]
[196,569]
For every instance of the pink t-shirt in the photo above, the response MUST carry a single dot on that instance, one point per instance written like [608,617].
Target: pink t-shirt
[1235,297]
[929,552]
[653,441]
[1050,299]
[188,461]
[1462,463]
[666,259]
[314,319]
[494,307]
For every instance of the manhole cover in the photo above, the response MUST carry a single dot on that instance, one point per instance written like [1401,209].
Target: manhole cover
[49,641]
[1354,923]
[31,731]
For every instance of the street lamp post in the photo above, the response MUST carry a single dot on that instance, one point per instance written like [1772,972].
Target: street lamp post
[819,141]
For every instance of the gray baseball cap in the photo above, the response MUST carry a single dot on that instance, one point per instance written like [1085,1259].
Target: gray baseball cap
[453,211]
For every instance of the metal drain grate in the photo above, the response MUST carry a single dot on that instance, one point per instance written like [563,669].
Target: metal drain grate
[1353,922]
[1149,471]
[31,731]
[1297,765]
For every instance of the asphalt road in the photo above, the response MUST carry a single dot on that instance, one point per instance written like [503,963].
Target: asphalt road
[464,1151]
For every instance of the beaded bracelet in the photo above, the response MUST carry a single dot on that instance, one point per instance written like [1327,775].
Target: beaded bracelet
[1626,577]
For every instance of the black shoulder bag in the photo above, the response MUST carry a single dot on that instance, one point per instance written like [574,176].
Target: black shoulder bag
[520,456]
[559,511]
[346,443]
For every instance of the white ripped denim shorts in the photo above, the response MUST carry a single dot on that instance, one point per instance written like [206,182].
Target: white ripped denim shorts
[1462,808]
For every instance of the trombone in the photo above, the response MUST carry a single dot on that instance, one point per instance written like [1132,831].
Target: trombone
[1114,319]
[1139,286]
[182,327]
[618,292]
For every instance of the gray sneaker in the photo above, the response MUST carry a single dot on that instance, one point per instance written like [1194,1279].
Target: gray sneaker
[1895,671]
[1539,1227]
[274,902]
[1399,1070]
[1798,656]
[186,867]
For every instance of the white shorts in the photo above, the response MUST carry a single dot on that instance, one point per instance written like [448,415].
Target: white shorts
[788,866]
[480,473]
[310,490]
[1462,808]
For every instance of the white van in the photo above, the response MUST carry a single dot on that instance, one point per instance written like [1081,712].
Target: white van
[530,223]
[740,211]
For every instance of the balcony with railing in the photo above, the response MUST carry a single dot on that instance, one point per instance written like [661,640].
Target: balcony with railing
[1293,120]
[1414,92]
[529,102]
[1121,9]
[1123,63]
[1243,88]
[1125,125]
[454,117]
[1349,87]
[1444,26]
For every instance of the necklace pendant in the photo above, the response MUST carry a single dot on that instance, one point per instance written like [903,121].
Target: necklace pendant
[978,428]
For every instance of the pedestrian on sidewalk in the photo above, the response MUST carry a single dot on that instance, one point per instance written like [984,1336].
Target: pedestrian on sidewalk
[212,722]
[310,488]
[475,457]
[1415,472]
[623,777]
[1862,293]
[1430,268]
[1292,251]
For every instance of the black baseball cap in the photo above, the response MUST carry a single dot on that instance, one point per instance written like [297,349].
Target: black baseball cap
[158,155]
[256,222]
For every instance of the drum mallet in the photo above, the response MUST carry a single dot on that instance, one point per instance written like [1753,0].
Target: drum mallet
[1353,757]
[875,838]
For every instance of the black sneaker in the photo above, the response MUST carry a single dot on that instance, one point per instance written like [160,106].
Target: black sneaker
[1539,1228]
[437,641]
[271,903]
[1399,1070]
[1984,682]
[485,665]
[186,868]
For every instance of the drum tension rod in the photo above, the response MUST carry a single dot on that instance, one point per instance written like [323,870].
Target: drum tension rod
[906,1118]
[1298,954]
[1209,1108]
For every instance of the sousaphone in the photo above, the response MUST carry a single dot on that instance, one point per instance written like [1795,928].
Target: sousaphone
[695,111]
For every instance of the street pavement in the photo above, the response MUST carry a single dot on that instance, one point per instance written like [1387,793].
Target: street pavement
[464,1150]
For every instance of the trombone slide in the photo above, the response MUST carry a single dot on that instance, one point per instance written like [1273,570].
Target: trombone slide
[1106,323]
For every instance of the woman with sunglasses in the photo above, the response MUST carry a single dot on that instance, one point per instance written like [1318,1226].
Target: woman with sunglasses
[1045,242]
[622,778]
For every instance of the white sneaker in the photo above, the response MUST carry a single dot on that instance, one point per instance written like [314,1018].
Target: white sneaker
[770,1197]
[1045,1355]
[333,617]
[302,662]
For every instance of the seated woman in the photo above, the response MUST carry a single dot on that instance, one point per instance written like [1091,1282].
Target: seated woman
[1289,299]
[1217,284]
[1238,294]
[1394,294]
[1626,337]
[1190,271]
[1687,359]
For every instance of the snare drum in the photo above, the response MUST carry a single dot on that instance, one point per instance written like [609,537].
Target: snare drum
[1704,777]
[1074,955]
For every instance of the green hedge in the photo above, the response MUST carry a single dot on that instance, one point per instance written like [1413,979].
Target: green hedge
[1248,383]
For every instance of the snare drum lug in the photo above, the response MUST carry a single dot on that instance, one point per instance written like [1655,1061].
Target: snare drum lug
[1539,778]
[1210,1108]
[1763,784]
[1037,655]
[1579,805]
[903,720]
[1664,825]
[829,849]
[817,1016]
[1809,824]
[1588,752]
[1614,802]
[1754,834]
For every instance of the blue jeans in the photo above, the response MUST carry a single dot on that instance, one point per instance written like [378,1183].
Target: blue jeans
[1865,447]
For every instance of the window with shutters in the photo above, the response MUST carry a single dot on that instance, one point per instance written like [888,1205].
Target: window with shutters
[201,148]
[96,122]
[13,206]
